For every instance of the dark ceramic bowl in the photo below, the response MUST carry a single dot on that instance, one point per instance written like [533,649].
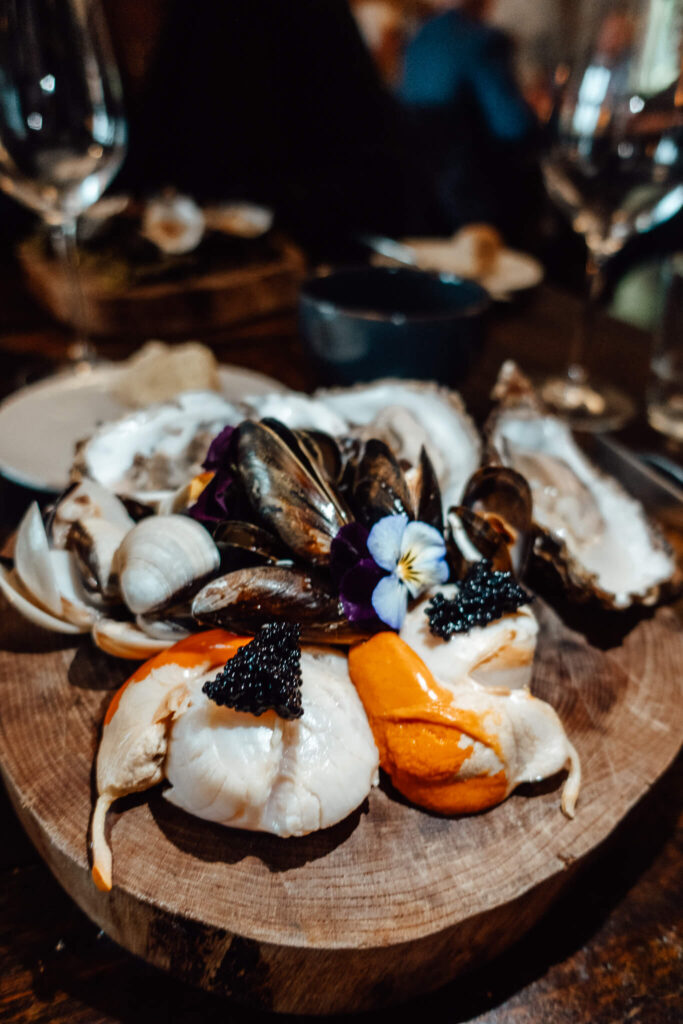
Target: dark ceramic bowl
[366,322]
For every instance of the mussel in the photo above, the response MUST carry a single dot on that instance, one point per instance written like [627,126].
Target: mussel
[243,600]
[289,491]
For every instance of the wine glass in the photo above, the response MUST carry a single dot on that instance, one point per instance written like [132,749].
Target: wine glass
[615,164]
[62,127]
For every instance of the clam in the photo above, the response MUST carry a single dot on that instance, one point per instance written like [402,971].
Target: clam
[50,576]
[160,559]
[596,536]
[94,542]
[84,499]
[124,639]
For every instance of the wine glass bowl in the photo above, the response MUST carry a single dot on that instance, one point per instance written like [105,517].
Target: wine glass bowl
[62,126]
[614,164]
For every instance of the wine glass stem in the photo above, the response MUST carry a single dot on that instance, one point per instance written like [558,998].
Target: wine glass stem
[80,351]
[583,336]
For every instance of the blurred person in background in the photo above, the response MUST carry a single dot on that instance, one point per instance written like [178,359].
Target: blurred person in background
[474,134]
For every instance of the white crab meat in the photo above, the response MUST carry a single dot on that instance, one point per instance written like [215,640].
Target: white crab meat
[289,777]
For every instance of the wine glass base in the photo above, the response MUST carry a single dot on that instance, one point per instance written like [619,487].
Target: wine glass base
[587,406]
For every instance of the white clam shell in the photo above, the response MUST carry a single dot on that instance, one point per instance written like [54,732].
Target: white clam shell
[50,576]
[21,600]
[126,640]
[159,557]
[87,500]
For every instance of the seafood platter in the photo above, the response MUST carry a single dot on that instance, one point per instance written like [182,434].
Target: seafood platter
[359,753]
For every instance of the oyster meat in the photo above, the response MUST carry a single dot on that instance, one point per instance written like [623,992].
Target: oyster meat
[149,454]
[597,537]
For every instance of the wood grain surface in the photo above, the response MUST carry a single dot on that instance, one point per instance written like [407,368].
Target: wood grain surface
[391,902]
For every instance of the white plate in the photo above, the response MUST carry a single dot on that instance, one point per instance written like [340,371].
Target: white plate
[41,423]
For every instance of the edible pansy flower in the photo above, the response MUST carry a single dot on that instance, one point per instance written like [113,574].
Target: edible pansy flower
[414,556]
[355,574]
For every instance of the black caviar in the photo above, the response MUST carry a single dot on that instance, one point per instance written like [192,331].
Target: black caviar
[483,596]
[264,675]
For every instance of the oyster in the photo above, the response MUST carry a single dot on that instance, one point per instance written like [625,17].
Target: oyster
[410,415]
[148,454]
[596,536]
[174,223]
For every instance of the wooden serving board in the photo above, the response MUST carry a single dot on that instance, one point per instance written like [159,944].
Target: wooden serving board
[389,903]
[199,304]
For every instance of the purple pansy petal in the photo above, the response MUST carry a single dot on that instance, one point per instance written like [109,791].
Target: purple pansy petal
[384,540]
[348,548]
[220,451]
[356,591]
[390,601]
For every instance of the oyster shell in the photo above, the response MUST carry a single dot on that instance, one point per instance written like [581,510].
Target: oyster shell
[147,455]
[408,415]
[596,536]
[174,223]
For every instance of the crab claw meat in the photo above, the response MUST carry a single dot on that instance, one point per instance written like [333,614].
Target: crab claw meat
[134,736]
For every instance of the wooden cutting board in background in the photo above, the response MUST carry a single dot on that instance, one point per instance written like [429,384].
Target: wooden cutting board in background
[389,903]
[195,306]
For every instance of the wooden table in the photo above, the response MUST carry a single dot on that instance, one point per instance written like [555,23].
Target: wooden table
[610,951]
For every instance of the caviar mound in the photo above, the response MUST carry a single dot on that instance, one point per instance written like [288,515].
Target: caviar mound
[264,675]
[483,596]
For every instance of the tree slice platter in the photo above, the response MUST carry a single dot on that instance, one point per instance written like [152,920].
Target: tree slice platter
[391,902]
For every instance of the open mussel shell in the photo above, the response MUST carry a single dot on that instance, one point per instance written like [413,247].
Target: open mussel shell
[245,600]
[595,536]
[288,490]
[502,496]
[470,537]
[160,559]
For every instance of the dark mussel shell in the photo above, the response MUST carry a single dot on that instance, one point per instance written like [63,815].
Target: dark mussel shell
[244,600]
[323,449]
[288,490]
[380,488]
[427,493]
[503,497]
[489,542]
[245,544]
